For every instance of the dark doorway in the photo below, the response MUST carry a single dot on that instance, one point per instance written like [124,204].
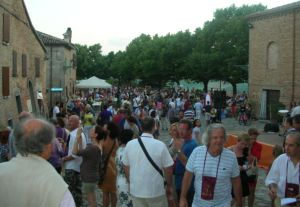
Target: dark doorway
[272,101]
[19,104]
[33,105]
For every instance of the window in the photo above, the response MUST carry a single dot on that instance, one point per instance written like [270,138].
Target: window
[5,81]
[15,64]
[24,65]
[37,67]
[272,55]
[6,28]
[74,60]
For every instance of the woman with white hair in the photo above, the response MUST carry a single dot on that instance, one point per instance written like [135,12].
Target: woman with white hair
[216,171]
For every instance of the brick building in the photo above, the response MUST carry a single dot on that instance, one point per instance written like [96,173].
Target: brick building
[22,63]
[274,57]
[61,67]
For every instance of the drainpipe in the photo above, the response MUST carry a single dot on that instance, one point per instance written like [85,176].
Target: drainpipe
[51,76]
[294,56]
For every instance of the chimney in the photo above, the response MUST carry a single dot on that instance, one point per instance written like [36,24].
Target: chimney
[68,35]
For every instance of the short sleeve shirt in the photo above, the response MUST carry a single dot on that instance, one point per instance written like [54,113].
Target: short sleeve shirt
[187,149]
[228,169]
[145,181]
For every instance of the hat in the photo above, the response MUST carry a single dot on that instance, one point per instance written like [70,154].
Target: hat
[253,131]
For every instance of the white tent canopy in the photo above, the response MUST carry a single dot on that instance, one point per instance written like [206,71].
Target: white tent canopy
[93,82]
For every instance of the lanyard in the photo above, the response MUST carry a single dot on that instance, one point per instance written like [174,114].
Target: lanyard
[205,162]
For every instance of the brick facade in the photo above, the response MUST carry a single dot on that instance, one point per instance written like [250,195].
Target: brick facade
[23,42]
[274,57]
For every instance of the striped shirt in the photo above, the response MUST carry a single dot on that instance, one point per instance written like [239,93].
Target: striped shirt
[228,169]
[189,114]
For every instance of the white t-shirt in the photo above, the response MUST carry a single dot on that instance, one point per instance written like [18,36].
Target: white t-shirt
[145,181]
[198,106]
[55,111]
[277,174]
[74,164]
[228,169]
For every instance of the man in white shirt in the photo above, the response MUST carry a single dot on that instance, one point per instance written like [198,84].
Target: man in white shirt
[283,179]
[55,110]
[146,183]
[216,172]
[29,175]
[198,106]
[73,162]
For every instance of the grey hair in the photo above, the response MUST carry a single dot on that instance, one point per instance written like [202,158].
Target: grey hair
[296,135]
[33,141]
[206,137]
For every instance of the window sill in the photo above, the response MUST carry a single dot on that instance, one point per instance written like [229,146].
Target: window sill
[6,43]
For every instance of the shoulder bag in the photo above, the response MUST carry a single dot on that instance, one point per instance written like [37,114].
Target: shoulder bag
[151,161]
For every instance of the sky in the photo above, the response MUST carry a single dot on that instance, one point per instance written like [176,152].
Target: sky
[115,23]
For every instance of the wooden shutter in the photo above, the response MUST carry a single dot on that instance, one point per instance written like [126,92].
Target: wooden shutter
[24,65]
[6,28]
[15,64]
[5,81]
[37,67]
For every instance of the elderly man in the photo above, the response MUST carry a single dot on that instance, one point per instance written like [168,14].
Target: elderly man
[216,171]
[283,178]
[145,182]
[73,162]
[28,179]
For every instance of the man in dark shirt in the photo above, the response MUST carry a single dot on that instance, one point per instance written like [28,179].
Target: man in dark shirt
[105,115]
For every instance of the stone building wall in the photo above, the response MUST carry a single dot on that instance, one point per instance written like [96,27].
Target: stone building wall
[273,62]
[23,40]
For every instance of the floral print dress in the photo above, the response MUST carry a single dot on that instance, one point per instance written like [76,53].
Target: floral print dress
[124,199]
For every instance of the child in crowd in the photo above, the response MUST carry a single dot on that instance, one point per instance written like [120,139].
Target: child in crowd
[196,131]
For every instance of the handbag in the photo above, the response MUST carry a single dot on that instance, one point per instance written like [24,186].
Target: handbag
[253,170]
[103,164]
[151,161]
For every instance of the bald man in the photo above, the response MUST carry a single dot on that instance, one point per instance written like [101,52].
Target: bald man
[29,180]
[73,162]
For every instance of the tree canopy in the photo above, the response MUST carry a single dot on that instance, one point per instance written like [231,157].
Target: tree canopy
[218,51]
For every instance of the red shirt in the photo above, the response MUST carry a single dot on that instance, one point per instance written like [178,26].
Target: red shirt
[256,150]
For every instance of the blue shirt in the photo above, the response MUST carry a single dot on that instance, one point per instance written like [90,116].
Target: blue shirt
[187,149]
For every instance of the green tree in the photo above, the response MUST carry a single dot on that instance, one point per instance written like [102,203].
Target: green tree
[89,61]
[231,41]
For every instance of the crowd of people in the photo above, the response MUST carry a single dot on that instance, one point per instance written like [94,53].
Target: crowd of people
[118,150]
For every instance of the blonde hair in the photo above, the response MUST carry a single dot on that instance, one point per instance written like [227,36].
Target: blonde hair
[173,125]
[244,137]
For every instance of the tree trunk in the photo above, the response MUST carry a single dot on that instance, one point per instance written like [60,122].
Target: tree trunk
[234,89]
[205,83]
